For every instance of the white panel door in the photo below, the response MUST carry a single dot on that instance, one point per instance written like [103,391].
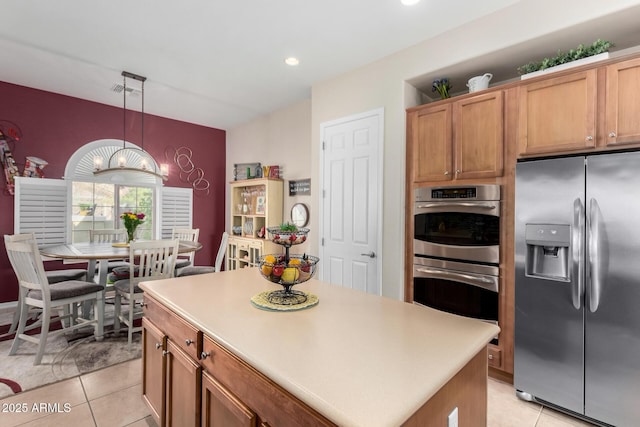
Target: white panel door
[351,201]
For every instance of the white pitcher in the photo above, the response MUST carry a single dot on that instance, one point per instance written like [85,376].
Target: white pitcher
[479,82]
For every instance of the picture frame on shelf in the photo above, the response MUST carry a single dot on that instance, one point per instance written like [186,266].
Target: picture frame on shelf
[260,205]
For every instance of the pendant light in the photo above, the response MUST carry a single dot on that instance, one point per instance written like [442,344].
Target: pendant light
[128,158]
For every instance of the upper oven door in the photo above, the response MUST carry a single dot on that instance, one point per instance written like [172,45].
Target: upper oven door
[458,229]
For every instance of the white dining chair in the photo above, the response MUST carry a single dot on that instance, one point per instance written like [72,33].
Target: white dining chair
[148,260]
[35,291]
[53,276]
[203,269]
[185,235]
[110,235]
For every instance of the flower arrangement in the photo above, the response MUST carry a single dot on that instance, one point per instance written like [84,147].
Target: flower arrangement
[131,221]
[442,86]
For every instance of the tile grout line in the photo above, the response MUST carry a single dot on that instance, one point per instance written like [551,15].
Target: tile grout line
[84,391]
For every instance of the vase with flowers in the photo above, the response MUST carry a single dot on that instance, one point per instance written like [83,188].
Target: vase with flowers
[131,222]
[442,86]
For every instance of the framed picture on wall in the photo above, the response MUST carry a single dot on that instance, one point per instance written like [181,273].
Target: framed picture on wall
[260,204]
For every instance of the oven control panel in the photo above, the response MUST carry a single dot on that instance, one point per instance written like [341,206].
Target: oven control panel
[454,193]
[475,192]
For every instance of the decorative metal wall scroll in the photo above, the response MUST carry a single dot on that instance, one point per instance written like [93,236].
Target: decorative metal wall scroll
[189,173]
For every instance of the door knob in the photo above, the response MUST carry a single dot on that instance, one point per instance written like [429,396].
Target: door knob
[370,254]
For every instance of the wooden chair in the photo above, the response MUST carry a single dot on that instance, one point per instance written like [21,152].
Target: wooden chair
[53,276]
[35,291]
[148,260]
[202,269]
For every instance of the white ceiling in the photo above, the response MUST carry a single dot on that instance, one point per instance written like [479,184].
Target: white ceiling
[211,62]
[221,63]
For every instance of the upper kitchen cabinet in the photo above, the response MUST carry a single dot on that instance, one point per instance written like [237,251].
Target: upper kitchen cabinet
[558,114]
[622,107]
[431,136]
[457,140]
[478,136]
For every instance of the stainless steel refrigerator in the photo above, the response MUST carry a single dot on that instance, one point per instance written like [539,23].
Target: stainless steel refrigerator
[577,285]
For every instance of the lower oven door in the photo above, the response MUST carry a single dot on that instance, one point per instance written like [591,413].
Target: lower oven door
[469,290]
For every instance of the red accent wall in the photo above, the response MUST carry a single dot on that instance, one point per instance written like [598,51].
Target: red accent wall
[54,126]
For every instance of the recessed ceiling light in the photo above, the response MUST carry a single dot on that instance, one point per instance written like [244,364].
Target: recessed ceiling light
[292,61]
[409,2]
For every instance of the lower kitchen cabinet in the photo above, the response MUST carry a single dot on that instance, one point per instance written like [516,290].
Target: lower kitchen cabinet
[153,370]
[183,383]
[220,408]
[190,380]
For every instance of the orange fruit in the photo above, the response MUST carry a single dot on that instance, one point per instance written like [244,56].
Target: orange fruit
[270,259]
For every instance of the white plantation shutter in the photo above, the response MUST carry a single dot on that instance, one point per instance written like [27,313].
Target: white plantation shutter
[176,209]
[40,207]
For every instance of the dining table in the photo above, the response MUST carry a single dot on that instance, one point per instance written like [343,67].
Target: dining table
[100,253]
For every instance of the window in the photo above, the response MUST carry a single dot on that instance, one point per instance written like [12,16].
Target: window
[63,211]
[96,206]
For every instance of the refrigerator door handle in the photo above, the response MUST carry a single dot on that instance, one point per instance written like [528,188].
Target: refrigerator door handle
[577,244]
[595,285]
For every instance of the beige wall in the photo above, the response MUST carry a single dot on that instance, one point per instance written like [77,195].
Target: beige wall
[382,85]
[280,138]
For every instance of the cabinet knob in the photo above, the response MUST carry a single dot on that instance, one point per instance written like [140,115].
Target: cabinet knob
[165,352]
[188,342]
[612,134]
[589,138]
[158,346]
[204,355]
[458,171]
[446,172]
[491,357]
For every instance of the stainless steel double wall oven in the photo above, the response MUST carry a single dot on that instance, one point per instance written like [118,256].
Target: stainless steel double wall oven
[457,249]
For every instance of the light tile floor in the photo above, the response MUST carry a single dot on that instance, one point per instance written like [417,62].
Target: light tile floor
[111,397]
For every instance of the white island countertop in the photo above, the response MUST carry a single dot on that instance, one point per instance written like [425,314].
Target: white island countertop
[358,359]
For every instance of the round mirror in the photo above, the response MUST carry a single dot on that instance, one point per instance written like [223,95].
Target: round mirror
[300,214]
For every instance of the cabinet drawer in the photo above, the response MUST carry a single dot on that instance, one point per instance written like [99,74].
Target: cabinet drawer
[188,338]
[494,357]
[273,404]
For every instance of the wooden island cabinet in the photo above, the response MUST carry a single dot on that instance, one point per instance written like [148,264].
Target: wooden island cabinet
[211,358]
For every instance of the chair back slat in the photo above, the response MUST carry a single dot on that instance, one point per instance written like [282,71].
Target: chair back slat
[155,259]
[222,250]
[107,236]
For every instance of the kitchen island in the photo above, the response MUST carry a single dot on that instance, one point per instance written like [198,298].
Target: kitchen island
[354,359]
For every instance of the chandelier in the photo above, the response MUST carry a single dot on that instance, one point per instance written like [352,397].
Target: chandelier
[129,158]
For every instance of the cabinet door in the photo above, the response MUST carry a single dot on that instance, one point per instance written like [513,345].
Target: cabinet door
[558,114]
[478,137]
[183,388]
[153,370]
[431,143]
[220,408]
[622,107]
